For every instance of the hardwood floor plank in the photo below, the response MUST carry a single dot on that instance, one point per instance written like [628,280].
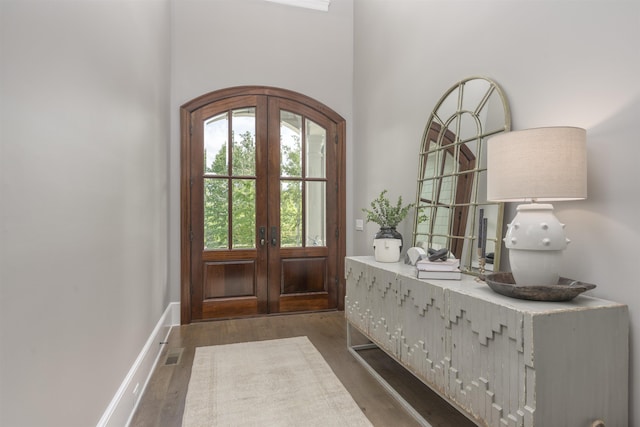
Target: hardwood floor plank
[162,403]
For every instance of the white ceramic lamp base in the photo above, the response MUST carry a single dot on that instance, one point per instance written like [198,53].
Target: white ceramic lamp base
[535,239]
[535,267]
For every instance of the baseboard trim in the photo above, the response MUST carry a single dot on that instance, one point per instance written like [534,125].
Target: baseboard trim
[124,403]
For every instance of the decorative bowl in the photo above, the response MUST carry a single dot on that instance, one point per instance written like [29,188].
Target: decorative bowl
[565,290]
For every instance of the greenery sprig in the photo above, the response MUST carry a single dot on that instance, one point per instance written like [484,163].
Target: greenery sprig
[384,214]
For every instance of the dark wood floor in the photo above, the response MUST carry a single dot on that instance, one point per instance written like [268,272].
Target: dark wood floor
[162,403]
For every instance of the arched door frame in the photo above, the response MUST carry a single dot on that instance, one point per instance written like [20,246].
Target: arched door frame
[186,127]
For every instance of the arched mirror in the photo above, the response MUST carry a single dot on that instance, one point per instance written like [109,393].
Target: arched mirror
[452,209]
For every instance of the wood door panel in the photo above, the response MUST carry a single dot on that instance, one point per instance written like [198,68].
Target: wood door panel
[229,307]
[229,279]
[236,254]
[308,302]
[313,251]
[303,275]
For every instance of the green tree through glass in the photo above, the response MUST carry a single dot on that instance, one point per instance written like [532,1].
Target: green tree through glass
[216,214]
[244,191]
[216,200]
[243,196]
[291,194]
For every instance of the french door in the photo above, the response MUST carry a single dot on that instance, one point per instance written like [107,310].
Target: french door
[262,204]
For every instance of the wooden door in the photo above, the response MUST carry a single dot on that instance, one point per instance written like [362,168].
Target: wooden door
[263,205]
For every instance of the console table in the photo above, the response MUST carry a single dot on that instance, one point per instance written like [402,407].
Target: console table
[500,361]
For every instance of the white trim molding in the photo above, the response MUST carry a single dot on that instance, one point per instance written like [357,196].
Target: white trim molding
[124,403]
[322,5]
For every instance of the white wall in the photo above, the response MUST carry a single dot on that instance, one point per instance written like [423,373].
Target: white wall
[83,201]
[224,43]
[89,132]
[560,63]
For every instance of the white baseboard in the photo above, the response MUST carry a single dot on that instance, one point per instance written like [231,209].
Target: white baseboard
[124,403]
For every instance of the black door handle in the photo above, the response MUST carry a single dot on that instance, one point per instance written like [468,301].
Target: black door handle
[263,237]
[274,236]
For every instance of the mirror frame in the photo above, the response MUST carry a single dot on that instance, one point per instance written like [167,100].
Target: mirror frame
[463,208]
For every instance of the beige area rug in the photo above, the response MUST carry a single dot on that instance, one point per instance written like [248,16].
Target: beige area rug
[283,382]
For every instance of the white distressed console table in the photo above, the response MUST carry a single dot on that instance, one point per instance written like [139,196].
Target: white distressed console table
[500,361]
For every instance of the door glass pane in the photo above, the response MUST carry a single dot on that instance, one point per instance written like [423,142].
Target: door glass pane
[244,213]
[243,126]
[316,137]
[216,134]
[290,144]
[216,214]
[290,213]
[315,212]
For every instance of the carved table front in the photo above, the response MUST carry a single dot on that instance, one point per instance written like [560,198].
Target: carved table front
[501,361]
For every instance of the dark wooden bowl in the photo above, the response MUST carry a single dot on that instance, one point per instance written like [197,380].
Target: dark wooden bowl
[565,290]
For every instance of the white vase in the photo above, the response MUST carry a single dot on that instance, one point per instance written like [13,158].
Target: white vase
[387,250]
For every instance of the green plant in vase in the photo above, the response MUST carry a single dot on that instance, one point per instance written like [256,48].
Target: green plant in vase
[387,216]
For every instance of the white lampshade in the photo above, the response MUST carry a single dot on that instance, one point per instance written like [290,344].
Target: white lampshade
[542,164]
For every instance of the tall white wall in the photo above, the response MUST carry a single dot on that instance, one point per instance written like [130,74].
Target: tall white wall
[89,168]
[224,43]
[560,63]
[84,92]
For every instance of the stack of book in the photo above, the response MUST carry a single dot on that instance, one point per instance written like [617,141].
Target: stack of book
[448,269]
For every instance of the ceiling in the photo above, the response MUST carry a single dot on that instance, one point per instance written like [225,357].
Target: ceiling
[322,5]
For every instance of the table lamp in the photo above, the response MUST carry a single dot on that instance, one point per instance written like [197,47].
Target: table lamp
[532,166]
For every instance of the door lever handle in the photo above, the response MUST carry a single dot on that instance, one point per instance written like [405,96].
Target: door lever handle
[274,236]
[263,232]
